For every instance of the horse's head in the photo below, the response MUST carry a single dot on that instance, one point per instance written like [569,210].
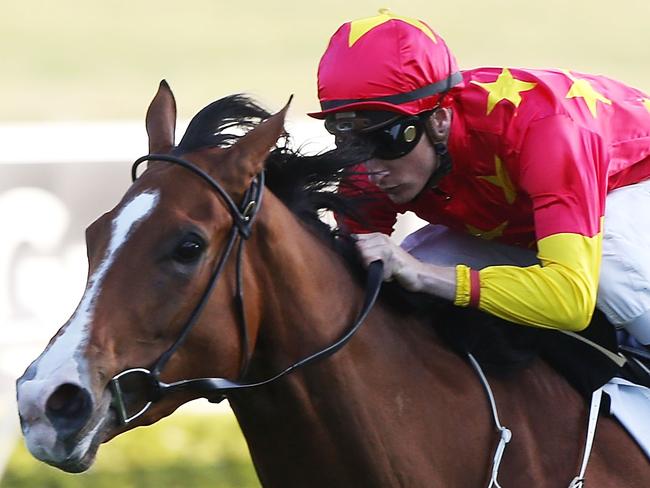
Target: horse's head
[150,261]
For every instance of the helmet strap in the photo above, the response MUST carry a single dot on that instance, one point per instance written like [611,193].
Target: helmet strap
[443,156]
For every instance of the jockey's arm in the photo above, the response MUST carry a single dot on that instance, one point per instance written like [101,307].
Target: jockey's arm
[562,172]
[412,274]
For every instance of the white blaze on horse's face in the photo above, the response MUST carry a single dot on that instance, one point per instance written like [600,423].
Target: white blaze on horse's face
[75,337]
[62,369]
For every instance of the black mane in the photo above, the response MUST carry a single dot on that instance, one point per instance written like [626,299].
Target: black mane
[221,123]
[306,184]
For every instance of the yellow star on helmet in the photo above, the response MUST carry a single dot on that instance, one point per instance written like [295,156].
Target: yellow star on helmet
[581,88]
[506,87]
[502,180]
[362,26]
[487,234]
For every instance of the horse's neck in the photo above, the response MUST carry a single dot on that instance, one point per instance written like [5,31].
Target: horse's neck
[394,407]
[355,413]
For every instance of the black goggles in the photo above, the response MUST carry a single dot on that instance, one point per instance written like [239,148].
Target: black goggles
[391,141]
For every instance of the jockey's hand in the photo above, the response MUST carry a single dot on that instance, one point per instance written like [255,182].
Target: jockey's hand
[398,264]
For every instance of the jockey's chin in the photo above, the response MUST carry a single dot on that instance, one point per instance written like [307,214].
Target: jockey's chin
[403,193]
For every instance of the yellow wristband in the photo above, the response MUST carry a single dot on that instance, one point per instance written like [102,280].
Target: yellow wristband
[463,285]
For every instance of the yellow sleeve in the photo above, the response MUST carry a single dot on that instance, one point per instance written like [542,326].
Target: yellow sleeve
[559,294]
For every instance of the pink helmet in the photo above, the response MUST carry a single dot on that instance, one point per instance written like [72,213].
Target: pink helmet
[386,62]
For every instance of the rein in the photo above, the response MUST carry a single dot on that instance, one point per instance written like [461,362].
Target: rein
[136,382]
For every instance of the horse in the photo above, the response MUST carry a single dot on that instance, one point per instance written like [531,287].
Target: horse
[394,407]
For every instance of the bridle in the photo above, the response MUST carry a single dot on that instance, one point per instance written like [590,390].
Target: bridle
[148,380]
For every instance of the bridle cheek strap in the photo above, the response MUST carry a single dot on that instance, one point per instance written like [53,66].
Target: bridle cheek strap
[243,218]
[442,153]
[196,313]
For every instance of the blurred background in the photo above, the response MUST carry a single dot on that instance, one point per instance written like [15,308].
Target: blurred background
[75,80]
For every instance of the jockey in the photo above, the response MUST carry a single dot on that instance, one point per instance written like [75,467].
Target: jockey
[526,158]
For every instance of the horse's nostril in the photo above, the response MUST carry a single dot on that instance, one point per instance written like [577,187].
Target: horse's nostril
[68,407]
[66,400]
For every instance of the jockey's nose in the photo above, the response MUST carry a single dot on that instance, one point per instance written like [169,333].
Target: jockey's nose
[68,408]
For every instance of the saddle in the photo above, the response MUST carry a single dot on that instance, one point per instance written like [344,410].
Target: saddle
[588,359]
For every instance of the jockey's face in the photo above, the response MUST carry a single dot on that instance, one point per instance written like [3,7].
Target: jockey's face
[404,178]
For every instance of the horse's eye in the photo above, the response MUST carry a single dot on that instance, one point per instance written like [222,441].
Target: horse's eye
[189,250]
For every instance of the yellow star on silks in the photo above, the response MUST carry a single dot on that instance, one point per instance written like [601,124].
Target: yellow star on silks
[502,180]
[506,87]
[581,88]
[487,234]
[360,27]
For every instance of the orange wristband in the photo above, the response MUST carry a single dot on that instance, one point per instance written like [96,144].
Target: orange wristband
[474,288]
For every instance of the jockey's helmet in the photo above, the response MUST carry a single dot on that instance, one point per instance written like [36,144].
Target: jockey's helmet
[382,67]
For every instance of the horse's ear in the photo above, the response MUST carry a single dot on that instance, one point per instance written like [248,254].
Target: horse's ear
[161,120]
[252,149]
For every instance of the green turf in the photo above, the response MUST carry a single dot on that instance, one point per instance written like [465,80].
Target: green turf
[79,59]
[188,450]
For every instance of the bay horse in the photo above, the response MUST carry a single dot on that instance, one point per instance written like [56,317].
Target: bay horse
[395,407]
